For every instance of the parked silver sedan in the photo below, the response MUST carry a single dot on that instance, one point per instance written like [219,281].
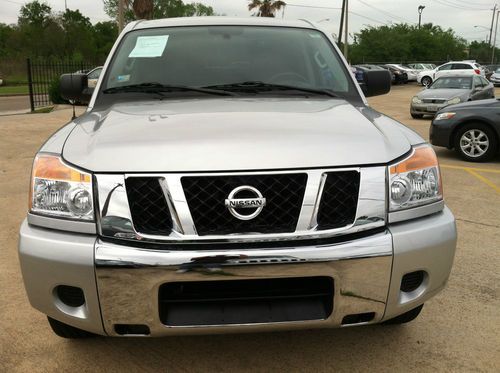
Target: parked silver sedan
[450,90]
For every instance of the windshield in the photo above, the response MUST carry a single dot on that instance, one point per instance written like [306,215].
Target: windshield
[453,83]
[497,70]
[216,56]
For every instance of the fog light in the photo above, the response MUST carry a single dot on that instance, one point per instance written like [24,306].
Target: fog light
[71,296]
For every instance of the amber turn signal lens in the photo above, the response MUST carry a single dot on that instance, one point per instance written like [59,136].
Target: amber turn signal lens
[422,157]
[50,167]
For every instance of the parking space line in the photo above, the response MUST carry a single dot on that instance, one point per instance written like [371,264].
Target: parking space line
[470,168]
[483,179]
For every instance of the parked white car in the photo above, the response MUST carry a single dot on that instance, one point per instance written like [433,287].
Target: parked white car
[495,77]
[454,68]
[412,74]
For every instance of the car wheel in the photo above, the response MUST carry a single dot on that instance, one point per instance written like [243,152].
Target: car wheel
[417,116]
[426,81]
[476,142]
[67,331]
[405,317]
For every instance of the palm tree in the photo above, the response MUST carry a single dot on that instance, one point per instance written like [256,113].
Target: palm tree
[143,9]
[266,8]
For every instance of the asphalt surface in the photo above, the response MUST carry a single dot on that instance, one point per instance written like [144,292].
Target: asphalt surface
[458,330]
[10,104]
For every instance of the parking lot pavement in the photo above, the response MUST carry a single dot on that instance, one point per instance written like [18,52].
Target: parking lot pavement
[459,330]
[11,104]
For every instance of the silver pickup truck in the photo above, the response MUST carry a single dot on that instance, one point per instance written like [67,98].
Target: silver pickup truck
[229,176]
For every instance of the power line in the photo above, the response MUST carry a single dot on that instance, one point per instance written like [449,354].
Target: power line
[13,2]
[457,6]
[336,8]
[468,3]
[400,19]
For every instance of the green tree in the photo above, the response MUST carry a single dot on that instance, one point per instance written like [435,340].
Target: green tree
[105,34]
[161,9]
[404,43]
[34,14]
[266,8]
[78,34]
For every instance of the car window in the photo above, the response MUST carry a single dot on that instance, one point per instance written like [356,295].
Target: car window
[95,74]
[445,67]
[484,81]
[461,66]
[477,82]
[202,56]
[452,83]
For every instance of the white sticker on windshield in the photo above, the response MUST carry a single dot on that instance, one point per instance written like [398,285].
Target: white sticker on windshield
[149,46]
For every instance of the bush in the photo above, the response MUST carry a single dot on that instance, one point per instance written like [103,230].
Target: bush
[55,94]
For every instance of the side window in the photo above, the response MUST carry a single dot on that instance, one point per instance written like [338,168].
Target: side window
[445,67]
[461,66]
[477,82]
[95,74]
[485,82]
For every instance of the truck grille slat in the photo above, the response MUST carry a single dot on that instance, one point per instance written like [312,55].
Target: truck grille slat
[206,195]
[339,200]
[148,205]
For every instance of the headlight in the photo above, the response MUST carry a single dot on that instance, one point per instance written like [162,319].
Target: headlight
[455,100]
[60,190]
[443,116]
[416,100]
[416,180]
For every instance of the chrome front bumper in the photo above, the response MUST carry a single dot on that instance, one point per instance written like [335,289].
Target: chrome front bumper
[121,283]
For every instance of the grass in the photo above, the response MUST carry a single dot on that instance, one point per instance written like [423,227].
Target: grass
[14,89]
[44,110]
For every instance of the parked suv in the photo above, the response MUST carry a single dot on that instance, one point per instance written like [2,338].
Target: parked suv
[229,175]
[426,77]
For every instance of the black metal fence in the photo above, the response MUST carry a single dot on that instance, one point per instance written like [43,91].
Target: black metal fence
[43,74]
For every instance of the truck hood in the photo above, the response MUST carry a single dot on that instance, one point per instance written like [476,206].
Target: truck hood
[233,134]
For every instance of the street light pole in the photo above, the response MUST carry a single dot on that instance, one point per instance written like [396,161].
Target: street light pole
[346,36]
[339,40]
[420,10]
[494,41]
[492,19]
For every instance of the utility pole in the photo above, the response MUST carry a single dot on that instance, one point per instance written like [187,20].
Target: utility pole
[65,5]
[492,19]
[494,41]
[339,40]
[420,10]
[346,36]
[121,4]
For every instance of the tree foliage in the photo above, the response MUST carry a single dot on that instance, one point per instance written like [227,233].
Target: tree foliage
[403,42]
[266,8]
[42,33]
[161,9]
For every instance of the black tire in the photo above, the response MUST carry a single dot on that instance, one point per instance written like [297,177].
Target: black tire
[417,116]
[483,131]
[67,331]
[405,317]
[426,81]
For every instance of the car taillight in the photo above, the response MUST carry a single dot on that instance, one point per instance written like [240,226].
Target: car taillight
[477,71]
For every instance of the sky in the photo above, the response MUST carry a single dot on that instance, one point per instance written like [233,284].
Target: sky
[461,15]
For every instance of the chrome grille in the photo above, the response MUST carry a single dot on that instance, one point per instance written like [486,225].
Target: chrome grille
[339,200]
[161,208]
[148,206]
[205,196]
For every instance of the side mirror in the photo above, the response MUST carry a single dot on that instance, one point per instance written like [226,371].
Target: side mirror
[376,82]
[74,87]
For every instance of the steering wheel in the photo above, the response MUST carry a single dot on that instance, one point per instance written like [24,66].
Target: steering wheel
[288,77]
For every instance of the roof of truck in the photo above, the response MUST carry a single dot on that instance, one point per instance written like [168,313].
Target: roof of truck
[222,21]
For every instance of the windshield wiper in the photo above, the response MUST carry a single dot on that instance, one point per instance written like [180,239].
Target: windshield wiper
[257,86]
[158,88]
